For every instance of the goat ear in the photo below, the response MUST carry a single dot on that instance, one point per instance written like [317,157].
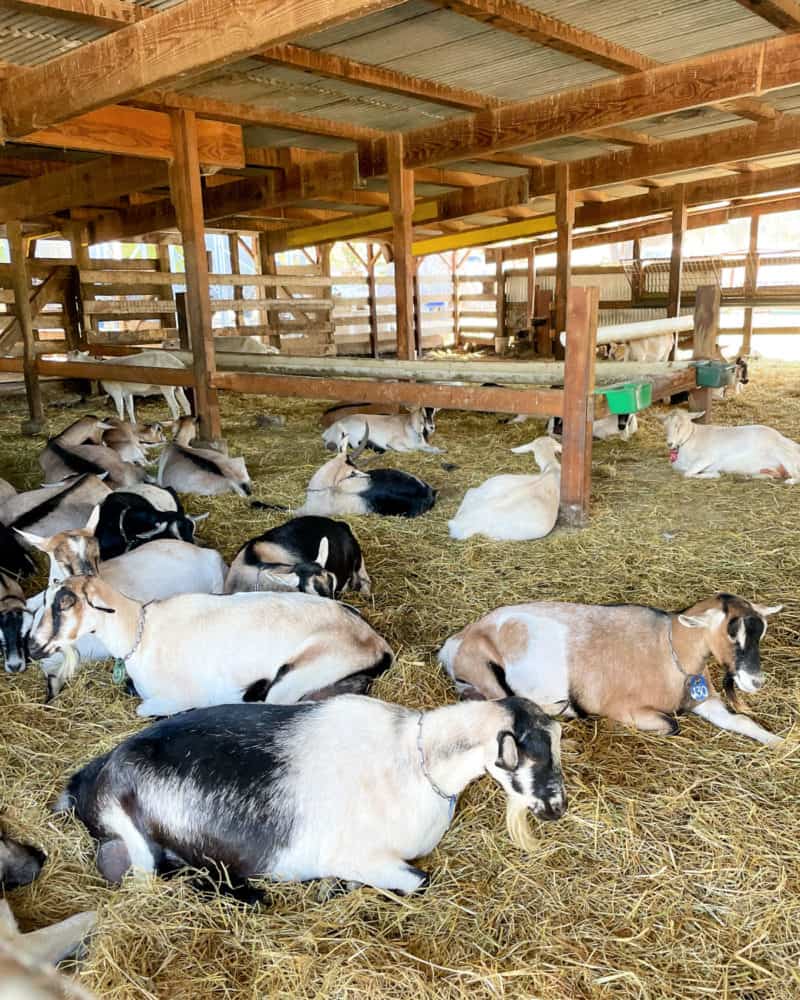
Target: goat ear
[662,417]
[697,414]
[37,541]
[194,518]
[507,752]
[522,448]
[100,607]
[322,555]
[766,609]
[94,517]
[286,581]
[708,619]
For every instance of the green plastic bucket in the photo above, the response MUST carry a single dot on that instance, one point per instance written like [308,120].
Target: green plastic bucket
[714,374]
[627,397]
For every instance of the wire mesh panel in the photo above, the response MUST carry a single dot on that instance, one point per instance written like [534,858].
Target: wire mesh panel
[651,275]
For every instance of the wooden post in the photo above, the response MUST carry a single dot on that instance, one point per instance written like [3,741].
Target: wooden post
[636,276]
[565,220]
[22,303]
[183,322]
[187,196]
[750,282]
[415,263]
[543,308]
[531,292]
[500,294]
[401,203]
[236,268]
[676,256]
[324,253]
[456,301]
[167,291]
[706,330]
[269,265]
[79,239]
[576,458]
[372,259]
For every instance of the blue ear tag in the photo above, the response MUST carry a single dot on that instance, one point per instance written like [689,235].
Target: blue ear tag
[698,688]
[119,673]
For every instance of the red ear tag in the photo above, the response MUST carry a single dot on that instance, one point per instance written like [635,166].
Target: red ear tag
[673,454]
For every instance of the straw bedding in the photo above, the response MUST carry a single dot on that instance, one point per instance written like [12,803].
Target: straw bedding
[675,871]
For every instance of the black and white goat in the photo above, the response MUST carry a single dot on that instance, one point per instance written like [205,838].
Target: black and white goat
[250,787]
[339,488]
[410,431]
[139,514]
[196,650]
[622,425]
[200,470]
[315,555]
[636,665]
[55,508]
[14,560]
[79,449]
[12,623]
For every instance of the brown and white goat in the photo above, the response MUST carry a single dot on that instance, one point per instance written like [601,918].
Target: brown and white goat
[131,441]
[51,509]
[79,449]
[200,470]
[636,665]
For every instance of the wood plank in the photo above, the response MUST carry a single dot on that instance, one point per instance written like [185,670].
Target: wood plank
[679,216]
[401,200]
[750,281]
[17,250]
[379,77]
[110,14]
[485,235]
[188,199]
[137,132]
[783,14]
[565,220]
[740,72]
[517,18]
[90,183]
[579,409]
[192,37]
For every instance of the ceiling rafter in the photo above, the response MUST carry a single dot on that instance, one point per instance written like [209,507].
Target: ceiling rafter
[112,14]
[783,14]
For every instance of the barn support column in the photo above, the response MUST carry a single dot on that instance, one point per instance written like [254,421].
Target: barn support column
[500,294]
[530,296]
[401,203]
[543,308]
[706,331]
[750,282]
[676,256]
[187,196]
[578,417]
[22,303]
[456,301]
[236,268]
[565,220]
[372,260]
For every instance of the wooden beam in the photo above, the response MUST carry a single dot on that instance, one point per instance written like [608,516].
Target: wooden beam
[136,132]
[188,199]
[500,293]
[110,14]
[250,114]
[565,220]
[676,253]
[620,136]
[783,14]
[379,77]
[732,73]
[372,259]
[579,372]
[485,235]
[92,183]
[750,281]
[192,37]
[21,281]
[508,15]
[401,200]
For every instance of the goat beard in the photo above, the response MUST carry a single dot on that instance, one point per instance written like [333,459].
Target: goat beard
[732,695]
[517,825]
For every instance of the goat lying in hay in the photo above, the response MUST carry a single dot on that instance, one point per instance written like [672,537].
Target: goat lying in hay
[351,788]
[79,449]
[200,470]
[637,665]
[195,650]
[410,431]
[55,508]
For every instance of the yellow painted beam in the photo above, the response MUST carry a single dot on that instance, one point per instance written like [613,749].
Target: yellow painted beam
[485,235]
[351,228]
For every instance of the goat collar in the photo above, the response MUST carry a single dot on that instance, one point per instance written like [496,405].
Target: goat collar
[696,684]
[451,799]
[138,637]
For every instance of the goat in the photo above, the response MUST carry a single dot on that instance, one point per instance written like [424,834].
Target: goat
[514,507]
[655,348]
[131,441]
[195,650]
[339,488]
[705,451]
[139,514]
[161,569]
[230,345]
[14,560]
[20,864]
[401,432]
[78,449]
[55,508]
[623,425]
[315,555]
[12,629]
[200,470]
[636,665]
[351,788]
[123,392]
[6,491]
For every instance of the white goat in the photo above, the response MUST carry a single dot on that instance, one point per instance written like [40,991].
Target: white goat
[621,425]
[351,788]
[123,392]
[200,470]
[196,650]
[514,507]
[230,345]
[399,432]
[636,665]
[656,348]
[705,451]
[79,449]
